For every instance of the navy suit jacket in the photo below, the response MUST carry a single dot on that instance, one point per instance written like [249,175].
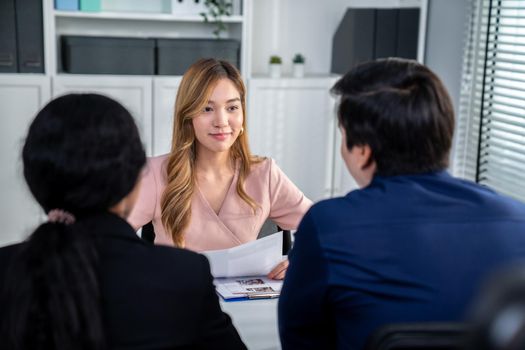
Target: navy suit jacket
[403,249]
[154,297]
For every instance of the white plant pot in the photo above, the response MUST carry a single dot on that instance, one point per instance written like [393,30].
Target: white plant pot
[298,70]
[275,70]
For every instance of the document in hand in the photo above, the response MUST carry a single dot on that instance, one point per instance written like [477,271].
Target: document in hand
[255,258]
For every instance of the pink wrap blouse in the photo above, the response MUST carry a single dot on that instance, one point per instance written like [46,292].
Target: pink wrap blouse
[236,223]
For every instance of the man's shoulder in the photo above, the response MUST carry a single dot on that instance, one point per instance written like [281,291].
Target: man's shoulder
[355,200]
[486,201]
[329,212]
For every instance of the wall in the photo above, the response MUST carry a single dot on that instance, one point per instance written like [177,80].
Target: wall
[446,35]
[294,26]
[446,29]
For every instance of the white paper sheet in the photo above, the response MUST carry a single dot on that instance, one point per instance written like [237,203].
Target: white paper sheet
[255,258]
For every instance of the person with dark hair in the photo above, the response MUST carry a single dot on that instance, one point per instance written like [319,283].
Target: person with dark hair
[413,243]
[84,279]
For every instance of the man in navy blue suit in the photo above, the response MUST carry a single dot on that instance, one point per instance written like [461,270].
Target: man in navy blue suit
[413,244]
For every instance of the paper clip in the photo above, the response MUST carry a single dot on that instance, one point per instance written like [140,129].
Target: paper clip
[263,295]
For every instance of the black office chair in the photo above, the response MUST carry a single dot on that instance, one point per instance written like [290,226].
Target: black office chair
[269,227]
[499,312]
[148,233]
[420,336]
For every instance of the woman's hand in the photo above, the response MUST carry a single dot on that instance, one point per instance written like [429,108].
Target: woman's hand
[279,271]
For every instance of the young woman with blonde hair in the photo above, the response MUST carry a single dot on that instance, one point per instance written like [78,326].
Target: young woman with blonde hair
[210,192]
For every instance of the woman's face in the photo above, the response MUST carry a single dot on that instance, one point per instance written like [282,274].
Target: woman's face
[220,122]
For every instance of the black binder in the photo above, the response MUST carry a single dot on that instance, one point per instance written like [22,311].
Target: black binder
[408,30]
[8,59]
[353,41]
[386,33]
[30,34]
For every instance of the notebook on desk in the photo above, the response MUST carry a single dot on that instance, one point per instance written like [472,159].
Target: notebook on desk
[247,288]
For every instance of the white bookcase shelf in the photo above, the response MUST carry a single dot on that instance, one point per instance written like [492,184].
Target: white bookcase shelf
[137,16]
[139,19]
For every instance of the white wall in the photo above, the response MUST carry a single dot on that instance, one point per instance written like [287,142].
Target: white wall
[295,26]
[446,29]
[446,35]
[309,28]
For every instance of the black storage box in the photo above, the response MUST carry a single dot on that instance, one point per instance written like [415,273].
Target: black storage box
[367,34]
[105,55]
[175,56]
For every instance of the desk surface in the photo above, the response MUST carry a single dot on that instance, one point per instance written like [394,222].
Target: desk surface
[256,322]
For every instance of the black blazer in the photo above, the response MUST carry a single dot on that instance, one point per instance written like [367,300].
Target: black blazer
[154,297]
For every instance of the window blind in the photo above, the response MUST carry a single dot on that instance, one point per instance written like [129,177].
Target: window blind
[491,126]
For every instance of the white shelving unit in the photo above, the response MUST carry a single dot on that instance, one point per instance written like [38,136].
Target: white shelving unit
[141,16]
[133,18]
[146,19]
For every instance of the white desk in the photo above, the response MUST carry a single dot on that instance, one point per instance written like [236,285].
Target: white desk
[256,322]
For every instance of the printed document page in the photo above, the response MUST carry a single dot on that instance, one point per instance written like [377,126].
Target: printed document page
[255,258]
[248,287]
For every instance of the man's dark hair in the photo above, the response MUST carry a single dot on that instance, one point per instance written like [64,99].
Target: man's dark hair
[401,109]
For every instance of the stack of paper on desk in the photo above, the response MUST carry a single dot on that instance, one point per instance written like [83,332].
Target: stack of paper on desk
[231,266]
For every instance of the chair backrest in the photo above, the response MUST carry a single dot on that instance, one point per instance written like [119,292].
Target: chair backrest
[269,227]
[148,233]
[419,336]
[498,312]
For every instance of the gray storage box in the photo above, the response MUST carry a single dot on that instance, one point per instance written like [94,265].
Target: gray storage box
[175,56]
[105,55]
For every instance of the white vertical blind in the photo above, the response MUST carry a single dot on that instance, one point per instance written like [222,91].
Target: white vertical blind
[491,125]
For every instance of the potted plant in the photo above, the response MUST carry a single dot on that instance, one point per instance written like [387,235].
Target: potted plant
[298,65]
[216,10]
[275,66]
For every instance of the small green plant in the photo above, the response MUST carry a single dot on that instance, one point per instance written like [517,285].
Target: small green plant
[216,10]
[275,59]
[298,58]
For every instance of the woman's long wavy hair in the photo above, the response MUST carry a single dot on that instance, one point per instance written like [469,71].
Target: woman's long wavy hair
[192,97]
[82,154]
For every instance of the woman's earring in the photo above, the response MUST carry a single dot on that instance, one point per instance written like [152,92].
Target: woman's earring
[242,131]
